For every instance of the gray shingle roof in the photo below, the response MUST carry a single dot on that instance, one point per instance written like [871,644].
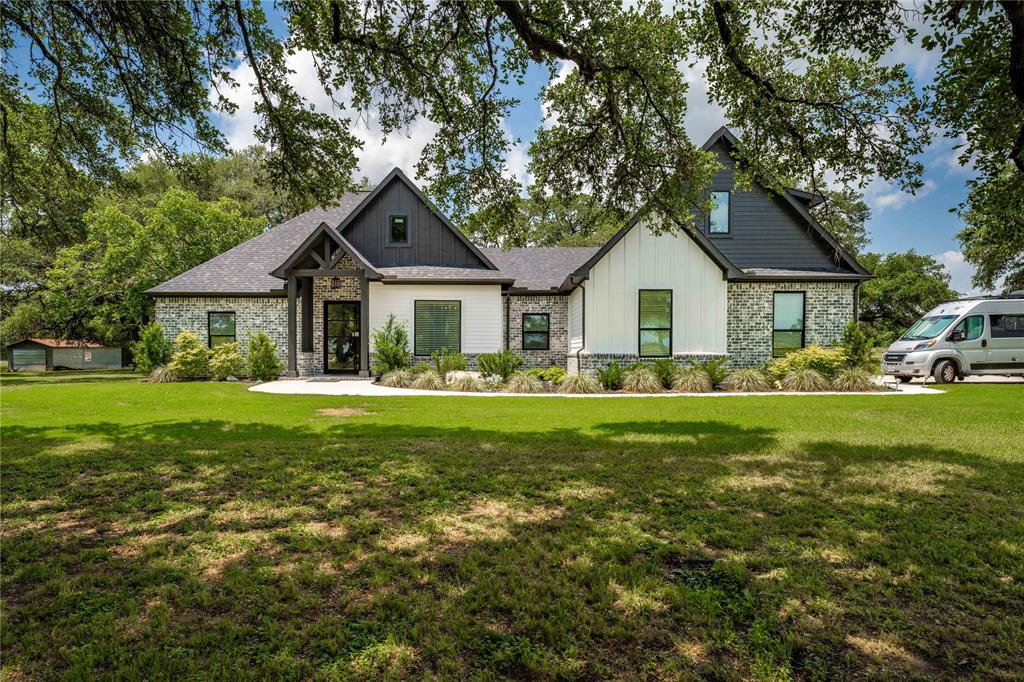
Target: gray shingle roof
[539,268]
[246,268]
[421,272]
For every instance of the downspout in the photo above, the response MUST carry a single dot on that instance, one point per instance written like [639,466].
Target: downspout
[506,319]
[583,331]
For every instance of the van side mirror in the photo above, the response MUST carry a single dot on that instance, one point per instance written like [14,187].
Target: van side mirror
[957,335]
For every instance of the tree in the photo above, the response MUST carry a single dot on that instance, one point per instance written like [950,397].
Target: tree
[844,214]
[542,220]
[993,234]
[906,286]
[96,289]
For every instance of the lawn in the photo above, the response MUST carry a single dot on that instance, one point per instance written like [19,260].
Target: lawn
[199,530]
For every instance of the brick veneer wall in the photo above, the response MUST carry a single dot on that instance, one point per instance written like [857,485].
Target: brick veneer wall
[252,315]
[589,363]
[557,309]
[751,316]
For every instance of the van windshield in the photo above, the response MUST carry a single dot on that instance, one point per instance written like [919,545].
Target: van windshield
[928,327]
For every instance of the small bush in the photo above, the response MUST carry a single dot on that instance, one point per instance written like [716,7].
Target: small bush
[523,382]
[856,346]
[466,383]
[226,362]
[191,359]
[805,380]
[554,375]
[641,379]
[579,384]
[666,371]
[715,369]
[611,375]
[422,367]
[396,378]
[427,381]
[390,347]
[264,365]
[446,361]
[502,364]
[747,380]
[827,361]
[161,375]
[692,380]
[152,349]
[854,379]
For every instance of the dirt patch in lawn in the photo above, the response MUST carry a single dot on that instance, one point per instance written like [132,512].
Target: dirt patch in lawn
[342,412]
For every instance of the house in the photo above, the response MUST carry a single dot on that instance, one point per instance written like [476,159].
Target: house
[757,278]
[44,355]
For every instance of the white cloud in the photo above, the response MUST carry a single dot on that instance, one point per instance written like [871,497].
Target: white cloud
[702,117]
[960,272]
[377,156]
[882,196]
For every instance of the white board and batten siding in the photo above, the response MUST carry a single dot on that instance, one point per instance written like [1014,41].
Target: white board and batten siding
[643,260]
[481,310]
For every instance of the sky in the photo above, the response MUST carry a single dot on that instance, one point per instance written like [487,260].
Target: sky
[899,221]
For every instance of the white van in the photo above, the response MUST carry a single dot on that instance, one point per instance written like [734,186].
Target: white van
[982,335]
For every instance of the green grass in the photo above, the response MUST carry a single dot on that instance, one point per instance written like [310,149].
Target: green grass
[199,530]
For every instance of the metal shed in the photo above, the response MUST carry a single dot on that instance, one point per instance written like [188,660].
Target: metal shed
[43,355]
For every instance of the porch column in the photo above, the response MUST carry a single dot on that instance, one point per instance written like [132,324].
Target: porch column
[307,314]
[293,365]
[364,326]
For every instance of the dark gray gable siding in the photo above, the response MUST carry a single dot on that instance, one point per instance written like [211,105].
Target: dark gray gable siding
[764,231]
[431,241]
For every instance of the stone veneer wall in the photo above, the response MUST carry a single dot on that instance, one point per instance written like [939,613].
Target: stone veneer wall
[326,289]
[262,314]
[750,320]
[557,308]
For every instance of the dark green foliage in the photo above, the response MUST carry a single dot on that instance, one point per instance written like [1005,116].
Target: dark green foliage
[502,364]
[445,361]
[905,287]
[716,369]
[152,350]
[856,345]
[391,347]
[666,371]
[554,375]
[264,365]
[611,376]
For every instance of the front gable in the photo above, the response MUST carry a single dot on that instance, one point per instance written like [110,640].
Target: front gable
[431,239]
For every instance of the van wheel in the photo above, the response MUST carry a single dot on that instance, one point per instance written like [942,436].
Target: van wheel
[945,372]
[904,379]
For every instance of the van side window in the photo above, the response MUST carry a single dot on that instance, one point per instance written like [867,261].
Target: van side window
[1007,326]
[972,327]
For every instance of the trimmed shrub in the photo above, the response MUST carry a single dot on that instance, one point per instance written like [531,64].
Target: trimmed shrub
[446,361]
[264,365]
[191,359]
[641,379]
[390,347]
[666,371]
[827,361]
[523,382]
[579,383]
[226,362]
[856,346]
[692,380]
[805,380]
[554,375]
[854,379]
[466,383]
[396,378]
[611,375]
[715,369]
[747,380]
[502,364]
[152,350]
[427,381]
[161,375]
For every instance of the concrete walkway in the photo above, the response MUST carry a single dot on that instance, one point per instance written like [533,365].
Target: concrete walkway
[366,387]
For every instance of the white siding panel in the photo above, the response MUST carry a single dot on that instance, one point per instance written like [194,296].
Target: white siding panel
[643,260]
[576,304]
[481,310]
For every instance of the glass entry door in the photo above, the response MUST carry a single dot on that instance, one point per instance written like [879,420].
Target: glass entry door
[341,336]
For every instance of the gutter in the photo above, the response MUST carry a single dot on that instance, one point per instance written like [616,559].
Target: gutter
[583,331]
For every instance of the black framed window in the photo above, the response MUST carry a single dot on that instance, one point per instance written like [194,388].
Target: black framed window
[221,327]
[788,325]
[436,325]
[972,327]
[398,230]
[718,219]
[655,323]
[536,331]
[1007,326]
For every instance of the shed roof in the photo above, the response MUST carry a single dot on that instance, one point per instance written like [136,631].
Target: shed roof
[59,343]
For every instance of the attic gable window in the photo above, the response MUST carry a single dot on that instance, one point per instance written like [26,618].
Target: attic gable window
[718,221]
[398,230]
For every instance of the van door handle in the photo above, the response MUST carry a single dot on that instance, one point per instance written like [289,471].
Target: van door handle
[984,343]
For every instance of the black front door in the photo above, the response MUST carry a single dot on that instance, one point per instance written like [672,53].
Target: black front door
[341,336]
